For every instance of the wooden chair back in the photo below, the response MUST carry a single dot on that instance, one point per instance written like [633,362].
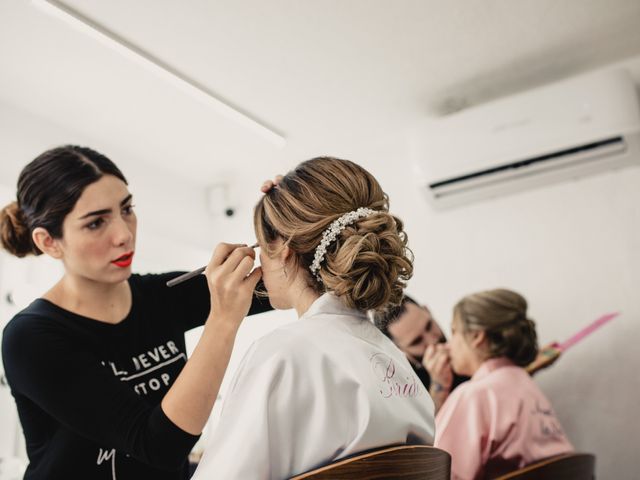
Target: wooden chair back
[405,462]
[569,466]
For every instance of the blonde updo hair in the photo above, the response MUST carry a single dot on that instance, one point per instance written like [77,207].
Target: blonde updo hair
[502,315]
[369,264]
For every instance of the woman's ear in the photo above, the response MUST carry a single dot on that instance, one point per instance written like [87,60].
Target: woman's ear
[478,339]
[285,253]
[46,243]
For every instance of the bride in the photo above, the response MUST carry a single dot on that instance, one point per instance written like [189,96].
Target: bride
[330,384]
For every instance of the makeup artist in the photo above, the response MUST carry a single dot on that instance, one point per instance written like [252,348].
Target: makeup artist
[98,365]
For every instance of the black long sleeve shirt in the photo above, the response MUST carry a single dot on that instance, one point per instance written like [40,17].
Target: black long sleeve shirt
[88,393]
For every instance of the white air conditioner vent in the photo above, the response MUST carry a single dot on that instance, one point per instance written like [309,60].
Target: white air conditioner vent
[577,127]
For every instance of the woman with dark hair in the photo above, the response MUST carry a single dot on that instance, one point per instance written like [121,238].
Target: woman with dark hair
[98,365]
[499,420]
[330,384]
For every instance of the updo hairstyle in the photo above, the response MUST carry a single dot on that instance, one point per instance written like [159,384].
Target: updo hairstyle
[502,315]
[369,264]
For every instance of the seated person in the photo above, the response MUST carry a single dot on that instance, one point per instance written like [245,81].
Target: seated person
[331,384]
[500,420]
[414,330]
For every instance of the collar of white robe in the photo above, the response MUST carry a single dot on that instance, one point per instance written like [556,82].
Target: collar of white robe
[332,232]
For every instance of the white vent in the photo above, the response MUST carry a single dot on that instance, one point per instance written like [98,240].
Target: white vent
[577,127]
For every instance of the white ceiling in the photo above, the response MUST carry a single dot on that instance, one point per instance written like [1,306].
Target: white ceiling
[328,75]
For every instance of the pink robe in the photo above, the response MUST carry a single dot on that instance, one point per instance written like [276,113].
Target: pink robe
[497,422]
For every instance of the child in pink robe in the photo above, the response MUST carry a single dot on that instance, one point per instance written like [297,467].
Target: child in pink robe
[500,420]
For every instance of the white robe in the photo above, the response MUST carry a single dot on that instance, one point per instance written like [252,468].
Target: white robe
[322,388]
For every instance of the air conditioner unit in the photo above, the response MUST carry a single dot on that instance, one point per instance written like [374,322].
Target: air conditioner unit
[576,127]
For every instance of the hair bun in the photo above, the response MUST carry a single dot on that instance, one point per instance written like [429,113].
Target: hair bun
[518,341]
[369,265]
[14,232]
[502,314]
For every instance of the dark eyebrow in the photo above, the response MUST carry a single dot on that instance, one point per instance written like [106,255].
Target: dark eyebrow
[106,210]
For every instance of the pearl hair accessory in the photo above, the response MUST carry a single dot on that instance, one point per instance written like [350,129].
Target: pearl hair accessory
[331,233]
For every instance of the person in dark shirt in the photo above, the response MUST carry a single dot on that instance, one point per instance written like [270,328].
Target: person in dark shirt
[98,364]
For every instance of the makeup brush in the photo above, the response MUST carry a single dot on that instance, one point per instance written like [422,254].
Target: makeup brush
[186,276]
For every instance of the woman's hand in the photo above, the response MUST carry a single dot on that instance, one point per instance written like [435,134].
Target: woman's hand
[232,280]
[269,184]
[436,362]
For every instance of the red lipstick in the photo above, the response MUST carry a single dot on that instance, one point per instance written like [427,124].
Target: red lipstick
[124,261]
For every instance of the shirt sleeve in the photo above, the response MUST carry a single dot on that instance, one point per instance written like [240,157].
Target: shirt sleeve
[463,428]
[190,300]
[70,386]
